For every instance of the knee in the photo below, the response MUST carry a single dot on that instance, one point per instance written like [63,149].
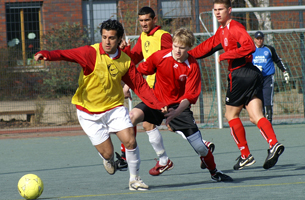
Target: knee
[131,143]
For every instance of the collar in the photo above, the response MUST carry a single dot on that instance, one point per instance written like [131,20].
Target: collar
[153,30]
[102,52]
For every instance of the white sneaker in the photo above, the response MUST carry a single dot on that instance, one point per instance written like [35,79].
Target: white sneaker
[109,165]
[137,184]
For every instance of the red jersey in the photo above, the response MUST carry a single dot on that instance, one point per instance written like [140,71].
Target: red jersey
[175,81]
[86,56]
[136,54]
[236,42]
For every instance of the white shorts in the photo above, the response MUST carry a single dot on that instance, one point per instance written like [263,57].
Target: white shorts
[99,126]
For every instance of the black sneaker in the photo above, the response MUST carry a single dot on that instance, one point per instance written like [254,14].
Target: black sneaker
[211,146]
[273,155]
[120,163]
[241,163]
[221,177]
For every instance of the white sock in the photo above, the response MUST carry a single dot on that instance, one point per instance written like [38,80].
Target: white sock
[156,141]
[133,160]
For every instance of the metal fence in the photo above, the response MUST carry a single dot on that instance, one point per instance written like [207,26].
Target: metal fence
[47,88]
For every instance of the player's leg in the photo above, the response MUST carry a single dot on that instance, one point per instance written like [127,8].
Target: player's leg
[239,135]
[184,123]
[266,129]
[120,124]
[99,137]
[143,113]
[268,92]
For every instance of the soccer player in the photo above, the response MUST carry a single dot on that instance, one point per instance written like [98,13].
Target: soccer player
[178,85]
[263,58]
[152,39]
[244,83]
[99,98]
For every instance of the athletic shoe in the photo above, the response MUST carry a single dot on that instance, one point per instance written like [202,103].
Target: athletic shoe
[121,164]
[137,184]
[241,163]
[273,155]
[109,165]
[211,146]
[159,169]
[221,177]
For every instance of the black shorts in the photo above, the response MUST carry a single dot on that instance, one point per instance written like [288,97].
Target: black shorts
[185,122]
[247,82]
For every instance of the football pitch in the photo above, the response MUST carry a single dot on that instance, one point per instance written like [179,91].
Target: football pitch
[70,168]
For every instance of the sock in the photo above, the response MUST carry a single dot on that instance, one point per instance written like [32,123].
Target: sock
[156,141]
[133,160]
[267,131]
[123,155]
[239,135]
[209,161]
[196,142]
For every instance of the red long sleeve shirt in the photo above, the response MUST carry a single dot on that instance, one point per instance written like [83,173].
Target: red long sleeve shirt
[175,81]
[86,57]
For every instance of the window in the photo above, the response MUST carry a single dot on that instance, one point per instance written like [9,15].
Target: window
[23,25]
[102,10]
[176,9]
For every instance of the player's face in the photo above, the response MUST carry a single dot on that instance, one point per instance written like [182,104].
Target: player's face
[259,41]
[222,13]
[110,41]
[147,23]
[180,51]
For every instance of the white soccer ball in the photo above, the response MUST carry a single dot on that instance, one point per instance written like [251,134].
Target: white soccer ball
[30,186]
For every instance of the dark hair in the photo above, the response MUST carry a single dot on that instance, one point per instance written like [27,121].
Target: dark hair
[227,3]
[112,24]
[147,10]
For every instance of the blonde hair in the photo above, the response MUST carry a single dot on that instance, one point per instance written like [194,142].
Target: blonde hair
[184,36]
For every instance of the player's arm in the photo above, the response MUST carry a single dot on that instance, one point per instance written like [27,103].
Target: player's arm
[85,56]
[138,84]
[136,53]
[166,41]
[206,48]
[245,42]
[277,59]
[149,67]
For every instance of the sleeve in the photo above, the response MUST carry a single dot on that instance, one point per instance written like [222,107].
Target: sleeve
[149,67]
[135,54]
[245,42]
[193,84]
[277,59]
[206,48]
[85,56]
[138,84]
[166,41]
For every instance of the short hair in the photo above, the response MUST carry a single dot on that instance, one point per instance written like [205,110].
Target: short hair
[112,24]
[147,10]
[227,3]
[184,36]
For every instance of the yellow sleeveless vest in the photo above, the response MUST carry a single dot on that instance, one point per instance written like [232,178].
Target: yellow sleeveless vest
[102,90]
[151,44]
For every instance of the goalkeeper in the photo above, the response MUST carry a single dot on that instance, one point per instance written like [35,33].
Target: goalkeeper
[263,58]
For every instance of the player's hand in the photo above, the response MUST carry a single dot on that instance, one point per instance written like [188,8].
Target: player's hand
[124,43]
[164,109]
[170,115]
[127,93]
[286,77]
[39,56]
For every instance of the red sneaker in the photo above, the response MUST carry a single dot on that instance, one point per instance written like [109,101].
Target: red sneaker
[159,169]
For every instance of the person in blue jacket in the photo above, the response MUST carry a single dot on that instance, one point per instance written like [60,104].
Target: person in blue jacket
[264,58]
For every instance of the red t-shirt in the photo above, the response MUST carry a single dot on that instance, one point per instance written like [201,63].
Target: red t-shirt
[175,81]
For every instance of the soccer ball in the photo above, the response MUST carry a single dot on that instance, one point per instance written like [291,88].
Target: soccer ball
[30,186]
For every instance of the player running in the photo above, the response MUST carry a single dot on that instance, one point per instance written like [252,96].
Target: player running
[178,85]
[244,83]
[99,98]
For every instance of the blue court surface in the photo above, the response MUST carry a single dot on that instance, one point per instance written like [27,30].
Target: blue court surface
[70,168]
